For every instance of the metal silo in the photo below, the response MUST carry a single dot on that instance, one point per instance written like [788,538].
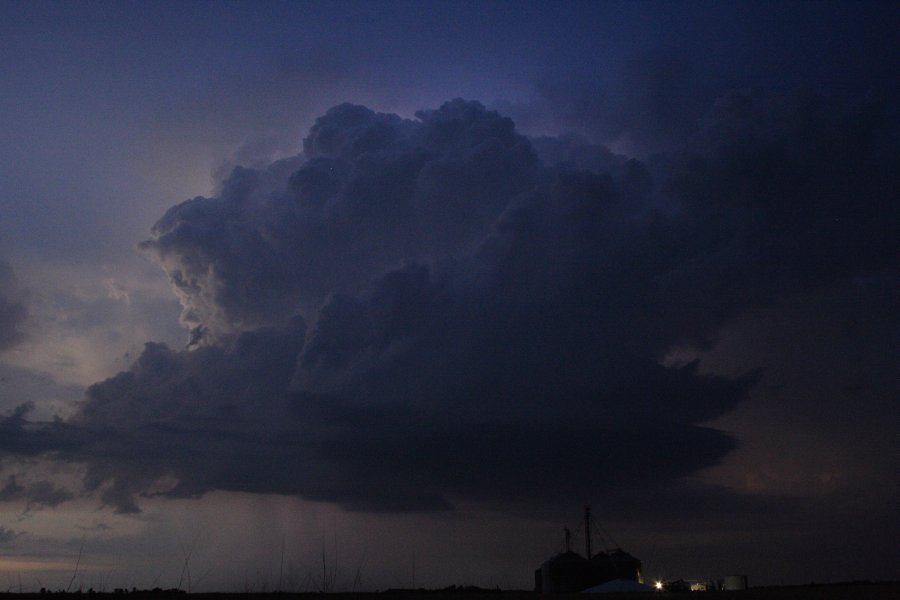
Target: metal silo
[565,573]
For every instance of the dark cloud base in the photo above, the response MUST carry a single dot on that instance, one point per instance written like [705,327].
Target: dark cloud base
[414,313]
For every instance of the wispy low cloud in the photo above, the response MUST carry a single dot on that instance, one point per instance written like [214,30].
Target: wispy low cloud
[417,313]
[37,494]
[7,536]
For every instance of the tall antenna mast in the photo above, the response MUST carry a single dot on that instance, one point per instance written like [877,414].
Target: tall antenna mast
[587,530]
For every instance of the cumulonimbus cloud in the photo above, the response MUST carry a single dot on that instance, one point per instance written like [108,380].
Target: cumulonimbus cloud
[417,312]
[372,190]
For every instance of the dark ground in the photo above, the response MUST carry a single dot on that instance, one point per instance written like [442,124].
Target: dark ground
[845,591]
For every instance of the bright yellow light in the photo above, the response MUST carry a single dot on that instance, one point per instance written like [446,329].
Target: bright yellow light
[658,585]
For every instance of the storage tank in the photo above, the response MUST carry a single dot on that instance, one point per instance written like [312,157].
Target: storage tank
[564,573]
[626,566]
[735,582]
[602,568]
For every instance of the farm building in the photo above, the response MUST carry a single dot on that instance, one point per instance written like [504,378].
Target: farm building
[569,572]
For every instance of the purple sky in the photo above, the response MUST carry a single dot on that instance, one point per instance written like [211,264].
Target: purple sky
[409,283]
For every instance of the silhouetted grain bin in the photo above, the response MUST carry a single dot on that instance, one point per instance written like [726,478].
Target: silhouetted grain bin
[564,573]
[569,572]
[735,582]
[602,568]
[626,566]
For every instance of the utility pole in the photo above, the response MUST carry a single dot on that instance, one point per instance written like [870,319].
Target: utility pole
[587,530]
[568,539]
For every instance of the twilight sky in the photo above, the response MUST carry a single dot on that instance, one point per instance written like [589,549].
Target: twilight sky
[409,283]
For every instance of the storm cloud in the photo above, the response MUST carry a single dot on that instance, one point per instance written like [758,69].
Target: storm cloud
[419,312]
[369,191]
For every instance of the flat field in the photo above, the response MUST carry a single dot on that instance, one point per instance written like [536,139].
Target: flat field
[852,591]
